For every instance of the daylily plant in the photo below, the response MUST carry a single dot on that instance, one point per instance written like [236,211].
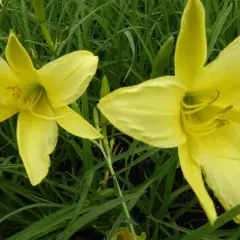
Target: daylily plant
[197,110]
[41,98]
[125,234]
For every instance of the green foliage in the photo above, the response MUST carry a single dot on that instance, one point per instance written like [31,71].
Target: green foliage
[78,197]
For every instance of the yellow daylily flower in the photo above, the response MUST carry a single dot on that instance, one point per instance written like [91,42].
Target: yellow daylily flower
[197,110]
[41,98]
[125,234]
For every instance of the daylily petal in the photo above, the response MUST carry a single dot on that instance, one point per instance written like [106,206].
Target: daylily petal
[20,62]
[193,175]
[149,112]
[221,176]
[37,139]
[223,143]
[220,163]
[67,78]
[75,123]
[191,49]
[7,76]
[42,108]
[7,80]
[7,112]
[222,74]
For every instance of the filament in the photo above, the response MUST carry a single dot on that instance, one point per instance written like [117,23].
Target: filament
[206,127]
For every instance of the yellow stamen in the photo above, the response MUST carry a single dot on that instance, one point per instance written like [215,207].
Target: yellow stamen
[16,92]
[203,128]
[200,106]
[34,100]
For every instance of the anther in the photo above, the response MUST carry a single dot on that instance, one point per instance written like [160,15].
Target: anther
[206,127]
[226,109]
[16,92]
[216,97]
[222,123]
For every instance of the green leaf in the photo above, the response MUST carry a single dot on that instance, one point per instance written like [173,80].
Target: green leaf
[218,25]
[208,228]
[91,215]
[163,58]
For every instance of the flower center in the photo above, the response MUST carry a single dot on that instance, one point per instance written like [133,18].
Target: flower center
[26,96]
[191,112]
[32,98]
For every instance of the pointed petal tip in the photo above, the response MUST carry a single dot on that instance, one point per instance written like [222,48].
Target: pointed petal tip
[193,174]
[95,135]
[191,48]
[75,124]
[12,34]
[36,181]
[20,61]
[102,104]
[212,217]
[13,37]
[94,57]
[95,60]
[99,135]
[237,219]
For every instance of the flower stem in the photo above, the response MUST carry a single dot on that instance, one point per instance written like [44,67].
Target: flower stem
[120,194]
[106,151]
[39,10]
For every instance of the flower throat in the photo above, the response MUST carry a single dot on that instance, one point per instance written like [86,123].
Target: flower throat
[26,96]
[190,112]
